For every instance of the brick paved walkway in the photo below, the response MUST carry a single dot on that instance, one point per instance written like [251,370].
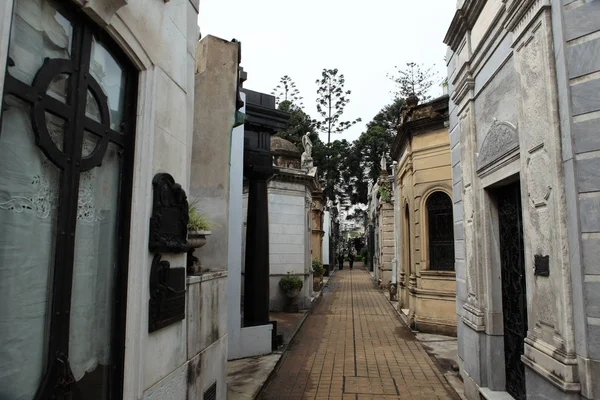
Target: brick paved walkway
[353,346]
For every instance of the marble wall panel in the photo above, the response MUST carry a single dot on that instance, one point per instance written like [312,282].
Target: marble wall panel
[491,102]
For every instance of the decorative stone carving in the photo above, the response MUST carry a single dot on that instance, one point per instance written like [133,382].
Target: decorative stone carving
[501,140]
[306,159]
[168,223]
[538,179]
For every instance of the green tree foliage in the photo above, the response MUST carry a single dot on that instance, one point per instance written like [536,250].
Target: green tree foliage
[364,162]
[286,90]
[332,98]
[345,168]
[298,124]
[414,79]
[389,116]
[335,169]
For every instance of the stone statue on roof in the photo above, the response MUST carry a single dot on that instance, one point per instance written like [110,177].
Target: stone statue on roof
[306,158]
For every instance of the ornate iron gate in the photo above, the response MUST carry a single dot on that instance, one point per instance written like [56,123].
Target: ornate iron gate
[514,299]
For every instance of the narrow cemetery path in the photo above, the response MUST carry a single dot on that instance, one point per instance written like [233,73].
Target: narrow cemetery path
[353,346]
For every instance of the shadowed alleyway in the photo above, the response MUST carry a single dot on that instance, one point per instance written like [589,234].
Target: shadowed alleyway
[353,346]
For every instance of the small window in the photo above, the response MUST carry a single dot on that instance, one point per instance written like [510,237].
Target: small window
[441,232]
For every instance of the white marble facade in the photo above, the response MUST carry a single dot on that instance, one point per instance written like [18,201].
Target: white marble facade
[159,38]
[523,101]
[289,240]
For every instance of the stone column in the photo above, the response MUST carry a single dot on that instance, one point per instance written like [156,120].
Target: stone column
[256,278]
[262,120]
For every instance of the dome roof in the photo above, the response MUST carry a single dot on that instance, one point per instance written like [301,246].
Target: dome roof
[280,146]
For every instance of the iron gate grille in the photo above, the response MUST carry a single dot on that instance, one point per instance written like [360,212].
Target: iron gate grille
[514,305]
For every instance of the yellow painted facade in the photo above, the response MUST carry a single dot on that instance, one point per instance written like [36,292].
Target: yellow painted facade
[426,277]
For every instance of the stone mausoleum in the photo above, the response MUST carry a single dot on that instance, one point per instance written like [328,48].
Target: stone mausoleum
[99,100]
[424,224]
[524,90]
[291,222]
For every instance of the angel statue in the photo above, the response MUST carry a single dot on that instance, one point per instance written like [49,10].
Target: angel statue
[307,143]
[306,159]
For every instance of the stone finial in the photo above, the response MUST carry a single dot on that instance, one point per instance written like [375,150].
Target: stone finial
[412,100]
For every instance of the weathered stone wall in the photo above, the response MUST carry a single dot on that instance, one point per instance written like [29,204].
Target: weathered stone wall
[216,79]
[518,109]
[576,45]
[386,241]
[290,237]
[317,228]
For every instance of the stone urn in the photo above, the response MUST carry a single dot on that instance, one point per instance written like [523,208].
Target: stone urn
[292,294]
[195,239]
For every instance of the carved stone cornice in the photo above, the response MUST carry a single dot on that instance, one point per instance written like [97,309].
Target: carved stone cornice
[464,19]
[463,88]
[473,317]
[522,13]
[101,11]
[425,117]
[291,175]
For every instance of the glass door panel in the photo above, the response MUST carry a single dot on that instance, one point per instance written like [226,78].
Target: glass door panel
[38,31]
[28,219]
[59,216]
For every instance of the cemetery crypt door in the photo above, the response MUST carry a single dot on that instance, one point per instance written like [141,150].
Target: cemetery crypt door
[514,297]
[66,146]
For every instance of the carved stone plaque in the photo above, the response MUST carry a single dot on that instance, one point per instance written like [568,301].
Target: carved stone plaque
[167,294]
[168,223]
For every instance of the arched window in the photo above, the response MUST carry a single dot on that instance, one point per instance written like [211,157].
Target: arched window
[441,232]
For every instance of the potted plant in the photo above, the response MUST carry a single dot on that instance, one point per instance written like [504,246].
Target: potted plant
[291,285]
[198,230]
[318,272]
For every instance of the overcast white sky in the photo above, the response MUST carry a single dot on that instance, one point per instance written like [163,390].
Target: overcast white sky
[363,39]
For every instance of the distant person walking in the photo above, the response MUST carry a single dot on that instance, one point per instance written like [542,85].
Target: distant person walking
[341,259]
[351,257]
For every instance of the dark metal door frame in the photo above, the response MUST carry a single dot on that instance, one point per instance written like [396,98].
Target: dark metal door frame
[58,381]
[514,291]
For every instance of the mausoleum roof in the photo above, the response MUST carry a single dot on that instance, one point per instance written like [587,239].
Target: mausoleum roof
[280,146]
